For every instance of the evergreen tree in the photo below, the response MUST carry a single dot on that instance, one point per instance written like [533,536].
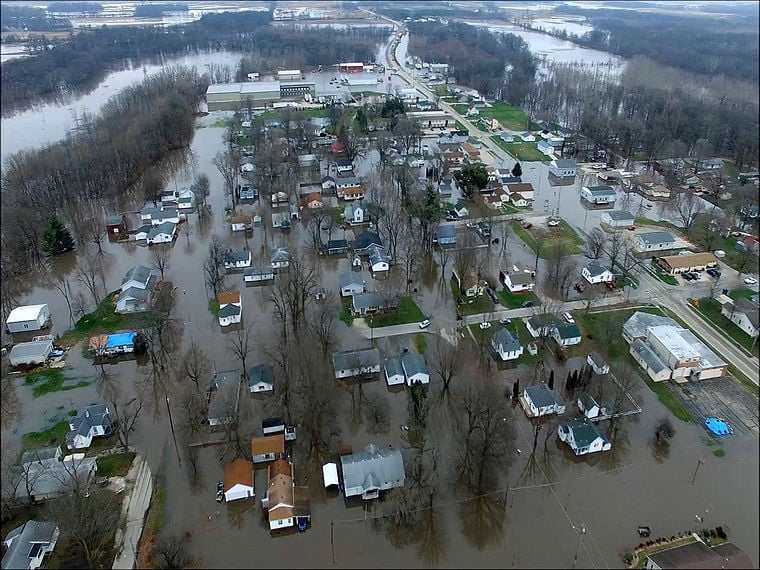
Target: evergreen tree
[517,170]
[56,238]
[516,389]
[551,380]
[568,382]
[575,379]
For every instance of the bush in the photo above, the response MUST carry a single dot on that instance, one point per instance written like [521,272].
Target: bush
[628,557]
[721,533]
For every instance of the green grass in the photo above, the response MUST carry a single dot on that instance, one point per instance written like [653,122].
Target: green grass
[642,221]
[603,329]
[515,300]
[115,465]
[661,275]
[742,292]
[420,342]
[407,312]
[101,321]
[461,127]
[243,141]
[54,435]
[213,306]
[666,396]
[525,339]
[49,380]
[719,453]
[279,114]
[510,117]
[562,233]
[470,305]
[711,309]
[460,108]
[523,151]
[345,311]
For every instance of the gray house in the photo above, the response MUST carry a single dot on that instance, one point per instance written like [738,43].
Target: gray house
[506,344]
[364,242]
[377,468]
[29,543]
[356,363]
[370,303]
[261,378]
[654,241]
[415,369]
[445,235]
[351,283]
[92,421]
[49,478]
[224,397]
[394,373]
[540,400]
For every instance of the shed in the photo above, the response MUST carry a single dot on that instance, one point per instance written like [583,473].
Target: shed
[28,318]
[238,480]
[330,474]
[394,373]
[34,352]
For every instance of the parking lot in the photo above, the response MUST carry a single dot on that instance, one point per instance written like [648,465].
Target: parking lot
[724,398]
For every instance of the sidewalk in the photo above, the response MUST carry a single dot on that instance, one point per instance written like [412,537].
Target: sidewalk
[134,507]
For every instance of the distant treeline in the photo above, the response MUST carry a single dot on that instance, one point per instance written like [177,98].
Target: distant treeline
[28,18]
[295,47]
[75,7]
[709,46]
[499,66]
[158,10]
[79,63]
[103,162]
[402,10]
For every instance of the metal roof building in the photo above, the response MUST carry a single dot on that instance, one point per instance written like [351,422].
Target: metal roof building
[34,352]
[375,469]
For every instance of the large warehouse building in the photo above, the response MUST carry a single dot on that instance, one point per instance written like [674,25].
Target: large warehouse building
[233,96]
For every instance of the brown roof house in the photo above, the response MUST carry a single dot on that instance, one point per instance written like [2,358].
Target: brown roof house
[280,497]
[238,480]
[230,308]
[267,448]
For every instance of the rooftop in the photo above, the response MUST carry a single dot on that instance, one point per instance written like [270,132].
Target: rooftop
[655,238]
[619,215]
[601,190]
[506,340]
[414,363]
[541,395]
[239,472]
[347,359]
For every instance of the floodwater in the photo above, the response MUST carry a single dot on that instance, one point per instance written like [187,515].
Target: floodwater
[12,51]
[609,494]
[559,24]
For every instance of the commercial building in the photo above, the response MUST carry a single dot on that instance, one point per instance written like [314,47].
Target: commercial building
[356,67]
[289,75]
[675,264]
[654,241]
[618,218]
[432,119]
[234,96]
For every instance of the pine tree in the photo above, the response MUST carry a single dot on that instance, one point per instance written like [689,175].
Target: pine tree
[56,238]
[568,382]
[575,379]
[516,389]
[551,380]
[517,170]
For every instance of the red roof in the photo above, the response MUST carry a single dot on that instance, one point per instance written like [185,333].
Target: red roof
[337,147]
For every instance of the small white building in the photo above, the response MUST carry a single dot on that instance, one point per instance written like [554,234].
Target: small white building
[506,344]
[162,233]
[562,168]
[354,214]
[378,259]
[260,379]
[415,369]
[230,308]
[583,437]
[600,195]
[540,400]
[238,480]
[618,218]
[588,405]
[280,258]
[654,241]
[517,282]
[27,353]
[394,373]
[28,318]
[259,274]
[351,283]
[595,272]
[597,363]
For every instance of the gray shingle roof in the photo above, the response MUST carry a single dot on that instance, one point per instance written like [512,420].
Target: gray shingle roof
[42,454]
[138,273]
[749,308]
[599,191]
[348,359]
[229,310]
[236,255]
[636,326]
[363,301]
[115,220]
[656,238]
[350,278]
[619,215]
[262,270]
[377,467]
[261,373]
[365,239]
[393,367]
[520,278]
[542,396]
[377,254]
[595,268]
[507,341]
[413,363]
[23,540]
[53,477]
[564,163]
[164,228]
[280,255]
[445,231]
[88,417]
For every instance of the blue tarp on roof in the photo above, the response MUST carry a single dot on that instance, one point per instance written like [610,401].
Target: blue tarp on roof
[121,339]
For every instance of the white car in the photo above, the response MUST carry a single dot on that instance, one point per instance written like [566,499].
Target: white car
[485,325]
[553,223]
[425,324]
[750,281]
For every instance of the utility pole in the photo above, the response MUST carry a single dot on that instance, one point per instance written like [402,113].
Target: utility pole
[174,435]
[700,462]
[580,541]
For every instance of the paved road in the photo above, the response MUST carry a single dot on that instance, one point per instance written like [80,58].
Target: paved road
[133,511]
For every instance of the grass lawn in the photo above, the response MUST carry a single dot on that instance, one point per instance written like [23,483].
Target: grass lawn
[735,258]
[515,300]
[54,435]
[563,232]
[525,339]
[719,453]
[742,293]
[460,108]
[279,114]
[102,320]
[470,305]
[661,275]
[49,380]
[523,151]
[642,221]
[420,342]
[345,311]
[711,309]
[408,312]
[115,465]
[510,208]
[510,117]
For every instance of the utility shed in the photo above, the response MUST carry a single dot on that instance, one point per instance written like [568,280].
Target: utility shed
[27,318]
[34,352]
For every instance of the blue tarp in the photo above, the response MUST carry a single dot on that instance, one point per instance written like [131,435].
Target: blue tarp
[121,339]
[718,426]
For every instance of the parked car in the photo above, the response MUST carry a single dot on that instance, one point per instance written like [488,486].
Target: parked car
[527,225]
[568,317]
[552,223]
[719,253]
[750,281]
[631,228]
[425,324]
[505,322]
[714,273]
[687,276]
[527,304]
[485,325]
[492,294]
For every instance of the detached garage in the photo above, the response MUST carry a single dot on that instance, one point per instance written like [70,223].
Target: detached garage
[27,318]
[238,480]
[26,353]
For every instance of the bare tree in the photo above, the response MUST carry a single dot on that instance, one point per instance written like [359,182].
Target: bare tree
[160,258]
[560,269]
[201,188]
[239,345]
[195,366]
[292,290]
[89,273]
[213,267]
[126,415]
[663,431]
[408,132]
[596,242]
[686,206]
[446,363]
[320,320]
[616,243]
[227,164]
[171,551]
[409,257]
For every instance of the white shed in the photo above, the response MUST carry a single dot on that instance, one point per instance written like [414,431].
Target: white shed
[330,474]
[28,318]
[35,352]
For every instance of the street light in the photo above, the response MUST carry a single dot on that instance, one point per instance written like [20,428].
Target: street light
[580,540]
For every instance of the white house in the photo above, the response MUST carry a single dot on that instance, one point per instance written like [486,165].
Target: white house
[583,437]
[280,497]
[648,359]
[376,468]
[527,137]
[744,314]
[539,326]
[186,200]
[595,272]
[588,405]
[540,400]
[469,284]
[90,422]
[604,195]
[562,168]
[351,283]
[280,258]
[378,259]
[28,544]
[654,241]
[566,334]
[506,344]
[238,480]
[237,259]
[356,363]
[517,282]
[618,218]
[597,363]
[158,216]
[545,147]
[230,308]
[261,378]
[162,233]
[394,373]
[28,318]
[259,274]
[415,368]
[354,214]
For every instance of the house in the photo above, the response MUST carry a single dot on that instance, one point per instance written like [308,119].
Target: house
[618,218]
[281,220]
[518,200]
[562,168]
[28,353]
[566,334]
[453,159]
[248,192]
[583,437]
[744,314]
[461,209]
[446,189]
[132,300]
[280,497]
[506,344]
[394,373]
[597,363]
[445,235]
[540,400]
[237,258]
[313,201]
[539,326]
[240,223]
[280,258]
[376,468]
[545,147]
[162,233]
[527,137]
[493,202]
[48,476]
[28,318]
[141,233]
[346,182]
[525,189]
[42,455]
[605,195]
[238,480]
[654,241]
[328,183]
[112,344]
[259,274]
[378,259]
[517,282]
[470,285]
[507,137]
[92,421]
[116,224]
[344,166]
[28,544]
[364,241]
[337,246]
[748,243]
[588,405]
[157,217]
[366,304]
[711,164]
[353,193]
[268,448]
[595,272]
[247,168]
[351,283]
[224,397]
[354,214]
[295,212]
[698,555]
[675,264]
[186,200]
[415,369]
[261,378]
[230,308]
[356,363]
[470,152]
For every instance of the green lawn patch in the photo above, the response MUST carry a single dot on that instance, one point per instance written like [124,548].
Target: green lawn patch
[345,311]
[103,320]
[515,300]
[470,305]
[742,293]
[523,151]
[54,435]
[115,465]
[525,337]
[213,306]
[460,108]
[665,395]
[49,380]
[461,127]
[719,453]
[604,329]
[407,312]
[420,342]
[642,221]
[563,232]
[243,141]
[661,275]
[711,309]
[510,117]
[510,208]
